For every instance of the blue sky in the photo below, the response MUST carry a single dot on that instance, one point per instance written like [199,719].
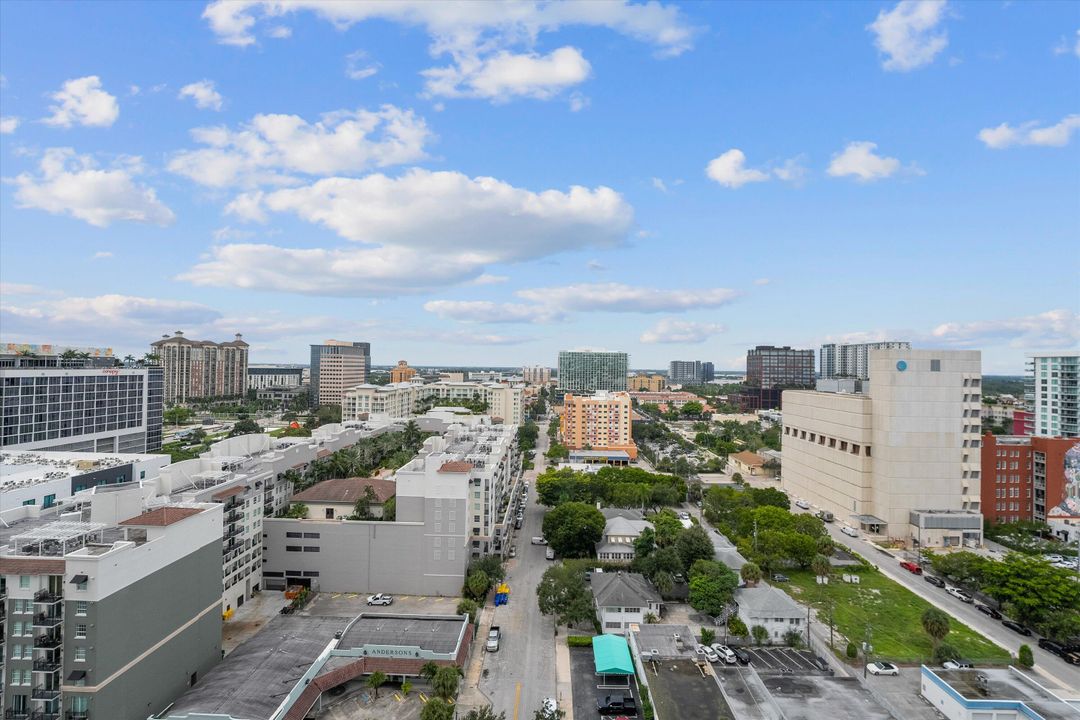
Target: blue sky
[487,184]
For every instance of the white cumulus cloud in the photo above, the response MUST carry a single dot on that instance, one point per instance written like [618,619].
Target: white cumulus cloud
[729,169]
[618,297]
[483,311]
[358,67]
[669,330]
[71,184]
[859,160]
[8,124]
[82,102]
[203,93]
[907,36]
[504,76]
[1029,133]
[1054,328]
[272,149]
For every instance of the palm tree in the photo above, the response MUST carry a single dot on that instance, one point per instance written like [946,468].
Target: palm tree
[129,359]
[375,680]
[751,574]
[821,567]
[428,670]
[411,434]
[936,624]
[445,682]
[825,545]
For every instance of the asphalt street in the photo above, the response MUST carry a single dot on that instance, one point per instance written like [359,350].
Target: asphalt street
[522,673]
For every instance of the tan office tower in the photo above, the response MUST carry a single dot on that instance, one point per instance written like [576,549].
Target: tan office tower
[899,460]
[197,369]
[336,366]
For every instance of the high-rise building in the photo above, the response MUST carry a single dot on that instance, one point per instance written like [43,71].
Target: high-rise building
[1052,394]
[81,409]
[402,400]
[685,372]
[112,615]
[1023,477]
[402,373]
[900,461]
[852,360]
[336,366]
[536,375]
[708,371]
[587,372]
[261,377]
[600,421]
[770,370]
[197,369]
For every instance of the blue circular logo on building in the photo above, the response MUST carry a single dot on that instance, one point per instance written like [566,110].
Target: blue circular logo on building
[901,365]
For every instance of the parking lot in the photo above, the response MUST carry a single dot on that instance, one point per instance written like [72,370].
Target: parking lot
[585,683]
[785,660]
[679,690]
[352,604]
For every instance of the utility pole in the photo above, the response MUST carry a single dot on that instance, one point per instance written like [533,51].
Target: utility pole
[866,651]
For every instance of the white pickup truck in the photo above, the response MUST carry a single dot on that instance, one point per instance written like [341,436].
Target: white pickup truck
[493,639]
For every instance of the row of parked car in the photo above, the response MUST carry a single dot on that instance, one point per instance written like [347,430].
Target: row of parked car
[722,653]
[1069,653]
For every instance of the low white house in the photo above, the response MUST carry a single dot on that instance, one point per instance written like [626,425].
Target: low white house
[620,532]
[770,608]
[624,599]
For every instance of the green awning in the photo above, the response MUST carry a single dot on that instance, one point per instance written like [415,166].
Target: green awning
[611,655]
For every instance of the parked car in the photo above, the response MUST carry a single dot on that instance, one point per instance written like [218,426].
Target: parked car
[741,655]
[987,610]
[825,515]
[513,551]
[1073,658]
[882,668]
[380,599]
[911,567]
[1052,646]
[1016,627]
[1053,558]
[549,554]
[539,541]
[617,705]
[850,531]
[706,653]
[780,577]
[959,594]
[958,664]
[934,580]
[678,578]
[725,653]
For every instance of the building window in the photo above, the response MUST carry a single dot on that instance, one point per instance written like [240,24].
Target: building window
[293,548]
[80,607]
[311,548]
[935,366]
[24,582]
[80,630]
[80,654]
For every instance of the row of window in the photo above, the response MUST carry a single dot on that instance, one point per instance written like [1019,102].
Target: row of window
[302,548]
[842,445]
[1011,492]
[1014,506]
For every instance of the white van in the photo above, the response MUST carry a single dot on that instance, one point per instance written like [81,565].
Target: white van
[850,531]
[549,554]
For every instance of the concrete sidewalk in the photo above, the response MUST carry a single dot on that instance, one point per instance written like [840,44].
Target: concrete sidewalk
[563,683]
[471,696]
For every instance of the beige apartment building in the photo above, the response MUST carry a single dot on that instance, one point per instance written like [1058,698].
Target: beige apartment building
[402,373]
[900,459]
[646,383]
[600,421]
[195,369]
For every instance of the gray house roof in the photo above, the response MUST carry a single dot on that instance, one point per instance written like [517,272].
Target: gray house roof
[610,512]
[621,589]
[614,547]
[767,601]
[623,527]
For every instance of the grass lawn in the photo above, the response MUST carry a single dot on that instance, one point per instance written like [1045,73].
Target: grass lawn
[895,617]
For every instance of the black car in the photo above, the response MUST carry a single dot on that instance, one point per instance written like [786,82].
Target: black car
[1051,646]
[987,610]
[934,580]
[780,577]
[1016,627]
[617,705]
[741,655]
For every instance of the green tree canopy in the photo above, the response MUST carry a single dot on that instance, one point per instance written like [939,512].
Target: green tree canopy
[436,709]
[246,426]
[562,592]
[573,529]
[712,586]
[694,544]
[936,624]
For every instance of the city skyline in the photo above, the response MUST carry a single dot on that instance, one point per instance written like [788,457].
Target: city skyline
[852,173]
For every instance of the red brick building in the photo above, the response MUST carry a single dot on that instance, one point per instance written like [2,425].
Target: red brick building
[1022,477]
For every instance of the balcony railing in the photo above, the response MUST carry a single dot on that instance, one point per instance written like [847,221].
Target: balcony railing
[46,665]
[47,597]
[11,714]
[234,532]
[45,693]
[43,620]
[45,715]
[77,715]
[48,641]
[234,516]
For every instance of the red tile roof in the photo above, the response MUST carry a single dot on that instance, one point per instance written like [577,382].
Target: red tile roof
[748,458]
[163,516]
[456,466]
[31,566]
[347,490]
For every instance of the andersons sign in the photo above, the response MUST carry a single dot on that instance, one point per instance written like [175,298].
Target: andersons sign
[391,651]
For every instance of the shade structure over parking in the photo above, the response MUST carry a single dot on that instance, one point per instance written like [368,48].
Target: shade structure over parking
[611,655]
